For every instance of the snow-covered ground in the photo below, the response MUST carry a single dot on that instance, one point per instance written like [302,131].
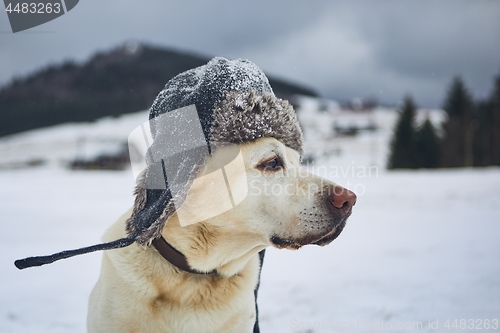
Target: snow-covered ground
[420,247]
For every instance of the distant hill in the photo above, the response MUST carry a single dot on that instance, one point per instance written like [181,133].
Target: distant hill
[123,80]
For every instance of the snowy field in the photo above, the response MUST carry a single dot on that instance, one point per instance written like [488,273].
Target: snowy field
[422,247]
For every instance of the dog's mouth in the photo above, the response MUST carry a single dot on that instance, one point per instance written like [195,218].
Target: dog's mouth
[323,240]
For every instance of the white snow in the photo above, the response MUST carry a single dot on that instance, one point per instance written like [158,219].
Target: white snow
[420,245]
[58,145]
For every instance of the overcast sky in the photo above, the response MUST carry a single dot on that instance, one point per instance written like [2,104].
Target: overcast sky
[342,49]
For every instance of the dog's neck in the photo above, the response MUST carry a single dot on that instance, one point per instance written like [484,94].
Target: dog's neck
[208,247]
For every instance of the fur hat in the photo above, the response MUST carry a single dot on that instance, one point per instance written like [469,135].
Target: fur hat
[234,103]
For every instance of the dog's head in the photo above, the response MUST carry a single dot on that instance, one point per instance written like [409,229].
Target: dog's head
[286,205]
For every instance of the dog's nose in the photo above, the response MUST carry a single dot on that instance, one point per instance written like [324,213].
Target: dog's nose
[342,198]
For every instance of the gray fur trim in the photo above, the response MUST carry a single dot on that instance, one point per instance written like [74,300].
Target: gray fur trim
[139,203]
[154,231]
[247,116]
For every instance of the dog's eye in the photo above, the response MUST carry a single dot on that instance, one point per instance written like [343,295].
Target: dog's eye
[271,165]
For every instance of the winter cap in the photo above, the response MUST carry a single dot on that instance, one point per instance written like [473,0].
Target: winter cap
[223,102]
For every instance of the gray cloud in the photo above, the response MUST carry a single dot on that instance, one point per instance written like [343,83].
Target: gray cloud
[342,49]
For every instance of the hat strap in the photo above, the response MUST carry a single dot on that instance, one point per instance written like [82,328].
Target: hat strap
[175,257]
[43,260]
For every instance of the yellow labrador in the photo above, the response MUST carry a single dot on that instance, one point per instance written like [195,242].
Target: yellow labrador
[286,207]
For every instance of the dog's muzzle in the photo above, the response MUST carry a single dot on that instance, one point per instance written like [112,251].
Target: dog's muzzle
[340,202]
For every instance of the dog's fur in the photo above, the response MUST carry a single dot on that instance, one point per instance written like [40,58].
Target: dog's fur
[139,291]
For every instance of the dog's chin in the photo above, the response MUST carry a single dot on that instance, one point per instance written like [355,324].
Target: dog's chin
[282,243]
[331,235]
[323,240]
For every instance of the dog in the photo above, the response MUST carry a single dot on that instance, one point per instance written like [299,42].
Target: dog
[221,181]
[139,291]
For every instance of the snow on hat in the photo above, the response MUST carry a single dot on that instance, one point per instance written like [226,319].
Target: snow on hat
[234,103]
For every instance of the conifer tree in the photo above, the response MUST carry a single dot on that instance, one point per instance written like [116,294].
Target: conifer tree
[403,150]
[427,146]
[495,124]
[483,137]
[457,144]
